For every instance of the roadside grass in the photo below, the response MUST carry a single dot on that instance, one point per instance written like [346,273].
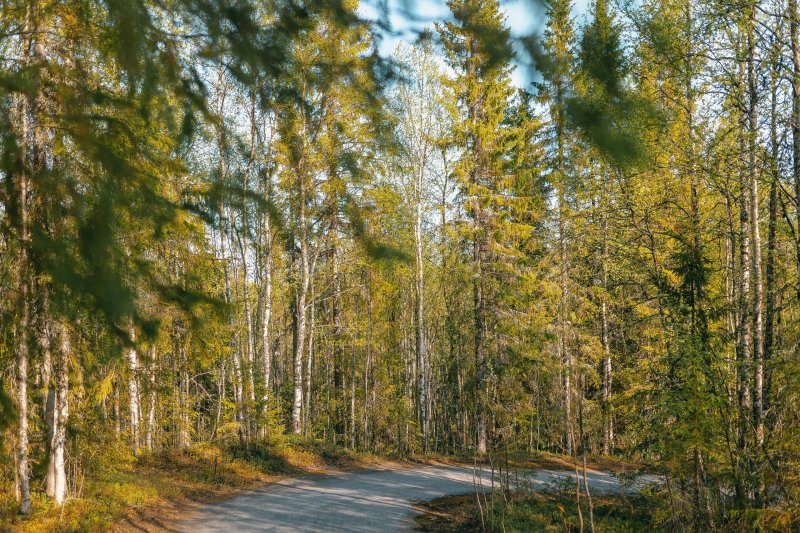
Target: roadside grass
[113,490]
[534,512]
[119,490]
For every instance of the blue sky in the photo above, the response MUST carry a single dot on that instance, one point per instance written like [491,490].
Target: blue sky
[408,17]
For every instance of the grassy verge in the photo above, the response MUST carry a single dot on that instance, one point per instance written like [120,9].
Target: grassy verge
[116,491]
[120,492]
[533,512]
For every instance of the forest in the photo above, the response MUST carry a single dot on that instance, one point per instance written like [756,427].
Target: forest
[239,223]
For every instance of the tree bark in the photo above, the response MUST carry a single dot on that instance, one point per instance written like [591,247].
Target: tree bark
[151,417]
[132,358]
[608,428]
[266,317]
[309,363]
[236,378]
[772,226]
[745,345]
[22,284]
[58,447]
[563,349]
[794,36]
[420,308]
[50,388]
[301,297]
[755,228]
[337,333]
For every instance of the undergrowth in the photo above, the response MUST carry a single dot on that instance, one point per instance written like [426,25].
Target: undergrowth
[535,512]
[117,486]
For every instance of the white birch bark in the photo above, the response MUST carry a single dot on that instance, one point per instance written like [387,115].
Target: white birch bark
[302,296]
[151,417]
[58,446]
[132,358]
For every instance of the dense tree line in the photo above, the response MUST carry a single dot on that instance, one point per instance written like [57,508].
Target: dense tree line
[229,221]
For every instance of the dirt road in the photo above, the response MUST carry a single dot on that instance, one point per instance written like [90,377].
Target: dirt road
[363,500]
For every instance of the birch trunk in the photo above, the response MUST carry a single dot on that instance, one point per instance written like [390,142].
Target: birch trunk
[420,308]
[236,378]
[309,364]
[58,447]
[302,296]
[745,344]
[117,412]
[151,417]
[249,330]
[758,288]
[49,407]
[132,358]
[266,316]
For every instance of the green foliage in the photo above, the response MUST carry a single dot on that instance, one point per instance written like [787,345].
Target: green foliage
[174,176]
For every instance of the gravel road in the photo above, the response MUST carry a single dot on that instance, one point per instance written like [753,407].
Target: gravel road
[362,500]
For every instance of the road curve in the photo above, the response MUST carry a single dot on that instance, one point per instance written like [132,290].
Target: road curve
[361,500]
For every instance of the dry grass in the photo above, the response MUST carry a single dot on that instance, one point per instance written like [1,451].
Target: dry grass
[145,494]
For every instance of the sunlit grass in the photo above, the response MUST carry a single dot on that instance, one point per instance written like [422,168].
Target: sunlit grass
[126,488]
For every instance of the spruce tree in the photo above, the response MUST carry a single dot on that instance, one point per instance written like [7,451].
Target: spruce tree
[477,48]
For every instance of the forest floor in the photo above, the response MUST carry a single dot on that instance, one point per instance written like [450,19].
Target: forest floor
[619,504]
[154,490]
[534,512]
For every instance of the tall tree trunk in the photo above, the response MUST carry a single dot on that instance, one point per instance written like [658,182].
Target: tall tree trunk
[236,378]
[565,354]
[758,288]
[794,34]
[266,316]
[420,308]
[563,348]
[745,345]
[243,249]
[51,390]
[58,446]
[772,226]
[369,403]
[132,358]
[480,347]
[22,283]
[337,333]
[608,428]
[151,417]
[302,297]
[184,391]
[309,363]
[249,330]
